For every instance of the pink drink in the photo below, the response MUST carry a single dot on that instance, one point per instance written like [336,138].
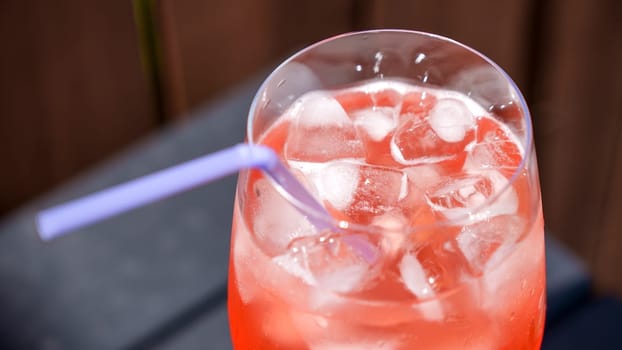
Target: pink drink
[441,240]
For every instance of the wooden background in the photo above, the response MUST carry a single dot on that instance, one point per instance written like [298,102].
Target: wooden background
[80,80]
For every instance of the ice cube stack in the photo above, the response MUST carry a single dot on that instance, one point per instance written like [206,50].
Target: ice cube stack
[428,169]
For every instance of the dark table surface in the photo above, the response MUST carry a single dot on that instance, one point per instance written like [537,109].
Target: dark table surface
[156,277]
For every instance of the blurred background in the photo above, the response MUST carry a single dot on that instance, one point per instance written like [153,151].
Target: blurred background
[82,80]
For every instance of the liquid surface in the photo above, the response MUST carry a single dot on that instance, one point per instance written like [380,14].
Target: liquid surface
[455,256]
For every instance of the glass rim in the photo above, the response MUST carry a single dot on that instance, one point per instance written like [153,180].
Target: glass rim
[410,229]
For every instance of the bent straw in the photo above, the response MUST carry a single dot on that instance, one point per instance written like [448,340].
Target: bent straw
[62,219]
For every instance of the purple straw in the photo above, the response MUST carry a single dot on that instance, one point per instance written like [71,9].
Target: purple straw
[88,210]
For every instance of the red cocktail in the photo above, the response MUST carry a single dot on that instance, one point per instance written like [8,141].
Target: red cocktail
[421,150]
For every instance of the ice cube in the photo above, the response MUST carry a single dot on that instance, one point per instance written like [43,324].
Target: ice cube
[378,191]
[360,192]
[391,221]
[495,148]
[295,265]
[417,281]
[276,222]
[345,279]
[462,198]
[483,241]
[320,109]
[412,200]
[415,142]
[394,225]
[321,130]
[308,169]
[387,98]
[511,268]
[417,103]
[423,176]
[341,263]
[377,122]
[415,278]
[492,156]
[337,183]
[451,119]
[352,101]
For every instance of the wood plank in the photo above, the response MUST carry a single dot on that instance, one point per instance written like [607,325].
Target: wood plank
[608,254]
[72,90]
[609,251]
[209,46]
[577,113]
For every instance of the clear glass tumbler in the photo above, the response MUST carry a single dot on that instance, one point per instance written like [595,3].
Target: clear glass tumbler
[421,149]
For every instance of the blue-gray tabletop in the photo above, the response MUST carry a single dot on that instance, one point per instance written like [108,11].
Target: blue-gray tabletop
[154,277]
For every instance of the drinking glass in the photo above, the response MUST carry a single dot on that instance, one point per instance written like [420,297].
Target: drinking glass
[424,251]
